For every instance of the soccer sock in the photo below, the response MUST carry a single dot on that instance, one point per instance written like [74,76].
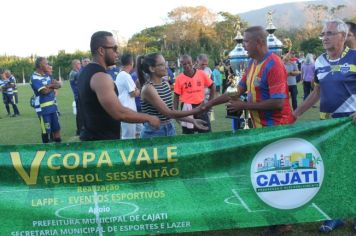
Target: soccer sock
[7,109]
[45,138]
[16,110]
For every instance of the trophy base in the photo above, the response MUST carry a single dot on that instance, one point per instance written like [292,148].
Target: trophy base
[233,115]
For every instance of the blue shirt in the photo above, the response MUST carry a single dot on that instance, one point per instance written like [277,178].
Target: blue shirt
[113,72]
[7,86]
[337,81]
[217,77]
[46,101]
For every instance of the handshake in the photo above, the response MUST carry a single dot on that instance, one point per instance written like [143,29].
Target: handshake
[234,105]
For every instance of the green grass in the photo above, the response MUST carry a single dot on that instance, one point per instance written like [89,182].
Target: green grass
[25,129]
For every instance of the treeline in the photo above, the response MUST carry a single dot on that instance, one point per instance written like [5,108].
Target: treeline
[22,68]
[191,30]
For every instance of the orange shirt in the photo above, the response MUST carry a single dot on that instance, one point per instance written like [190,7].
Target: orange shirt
[191,90]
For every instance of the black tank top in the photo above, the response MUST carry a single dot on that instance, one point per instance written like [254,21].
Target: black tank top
[98,124]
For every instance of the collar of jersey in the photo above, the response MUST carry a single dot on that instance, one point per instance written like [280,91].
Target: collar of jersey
[346,50]
[264,57]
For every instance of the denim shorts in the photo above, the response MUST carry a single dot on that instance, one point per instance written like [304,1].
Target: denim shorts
[166,128]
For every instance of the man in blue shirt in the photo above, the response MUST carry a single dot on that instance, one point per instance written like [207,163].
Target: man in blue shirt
[335,86]
[43,88]
[8,86]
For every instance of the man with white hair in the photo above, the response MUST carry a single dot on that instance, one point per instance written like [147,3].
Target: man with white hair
[85,61]
[335,84]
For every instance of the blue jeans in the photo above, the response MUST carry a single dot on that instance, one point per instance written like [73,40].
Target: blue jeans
[167,128]
[293,94]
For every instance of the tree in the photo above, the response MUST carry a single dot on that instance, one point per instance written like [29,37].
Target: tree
[316,13]
[312,45]
[24,67]
[190,29]
[21,68]
[226,30]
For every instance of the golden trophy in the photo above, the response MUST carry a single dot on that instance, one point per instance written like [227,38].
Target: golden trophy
[232,89]
[232,92]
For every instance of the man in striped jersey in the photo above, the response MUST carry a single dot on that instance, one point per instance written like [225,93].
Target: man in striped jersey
[265,82]
[43,88]
[8,87]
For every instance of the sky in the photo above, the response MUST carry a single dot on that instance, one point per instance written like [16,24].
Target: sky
[43,27]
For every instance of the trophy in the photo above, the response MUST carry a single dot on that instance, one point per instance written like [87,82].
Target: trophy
[238,62]
[233,80]
[273,43]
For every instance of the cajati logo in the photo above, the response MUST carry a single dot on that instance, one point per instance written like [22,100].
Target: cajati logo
[288,173]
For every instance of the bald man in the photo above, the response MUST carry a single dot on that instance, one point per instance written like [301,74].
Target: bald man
[265,82]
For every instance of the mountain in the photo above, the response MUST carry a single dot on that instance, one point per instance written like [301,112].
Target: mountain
[295,15]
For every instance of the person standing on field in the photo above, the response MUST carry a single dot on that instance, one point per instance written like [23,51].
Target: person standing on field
[127,92]
[101,109]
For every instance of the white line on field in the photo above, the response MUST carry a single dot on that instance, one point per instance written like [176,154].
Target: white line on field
[97,213]
[241,200]
[321,211]
[227,201]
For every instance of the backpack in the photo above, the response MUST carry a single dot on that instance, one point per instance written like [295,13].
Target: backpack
[32,101]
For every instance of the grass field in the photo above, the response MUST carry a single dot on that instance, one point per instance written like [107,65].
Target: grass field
[25,129]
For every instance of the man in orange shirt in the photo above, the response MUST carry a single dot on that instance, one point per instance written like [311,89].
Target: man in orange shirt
[189,90]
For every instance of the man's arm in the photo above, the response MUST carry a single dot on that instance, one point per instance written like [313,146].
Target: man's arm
[225,98]
[131,86]
[135,93]
[50,87]
[103,86]
[149,93]
[212,91]
[267,105]
[295,70]
[308,102]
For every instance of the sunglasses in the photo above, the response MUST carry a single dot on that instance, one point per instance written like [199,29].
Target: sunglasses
[114,48]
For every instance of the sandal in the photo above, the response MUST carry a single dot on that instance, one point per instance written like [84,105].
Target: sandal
[330,225]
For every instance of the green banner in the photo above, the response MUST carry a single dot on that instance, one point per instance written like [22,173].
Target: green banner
[256,177]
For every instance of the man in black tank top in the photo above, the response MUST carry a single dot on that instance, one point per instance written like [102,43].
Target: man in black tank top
[101,110]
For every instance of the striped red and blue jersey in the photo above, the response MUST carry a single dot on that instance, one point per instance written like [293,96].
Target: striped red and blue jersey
[263,81]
